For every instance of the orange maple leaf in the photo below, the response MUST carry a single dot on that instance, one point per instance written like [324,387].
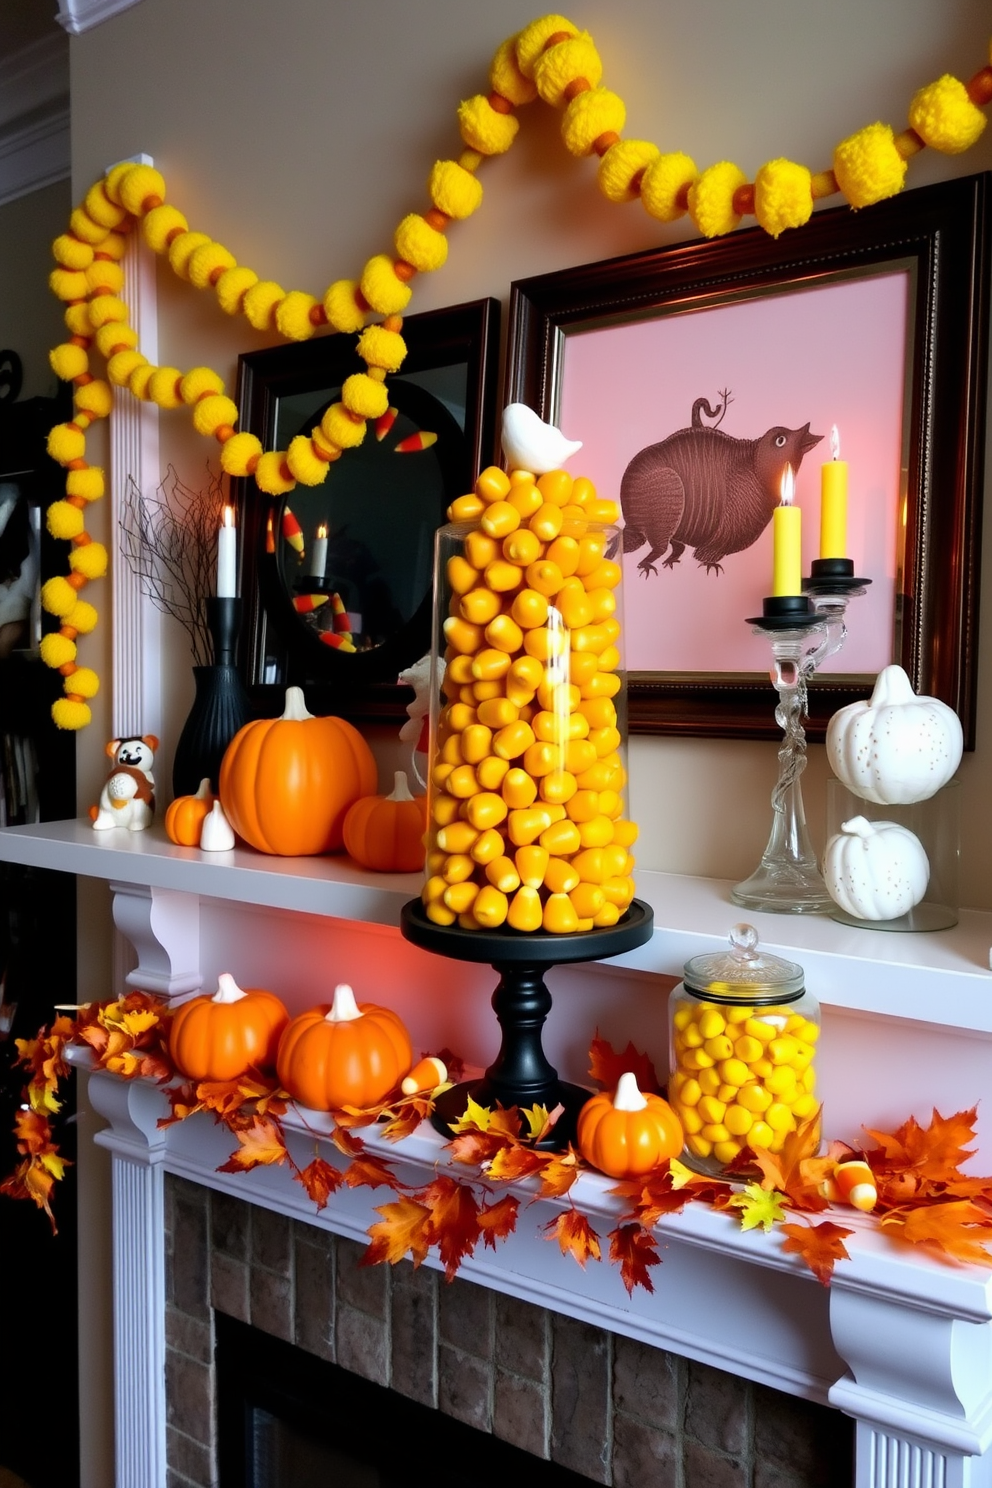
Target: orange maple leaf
[820,1245]
[346,1144]
[497,1221]
[922,1162]
[369,1171]
[260,1145]
[558,1172]
[33,1131]
[475,1147]
[606,1066]
[634,1250]
[406,1115]
[784,1170]
[454,1225]
[953,1229]
[575,1236]
[513,1162]
[320,1179]
[652,1196]
[403,1229]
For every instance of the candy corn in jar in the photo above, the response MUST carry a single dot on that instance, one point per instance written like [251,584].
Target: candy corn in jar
[743,1053]
[528,827]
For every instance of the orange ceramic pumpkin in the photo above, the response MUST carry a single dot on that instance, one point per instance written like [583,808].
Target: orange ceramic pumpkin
[386,833]
[219,1037]
[286,783]
[351,1054]
[628,1133]
[184,817]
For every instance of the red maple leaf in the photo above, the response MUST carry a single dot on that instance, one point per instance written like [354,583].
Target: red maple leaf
[320,1179]
[820,1245]
[369,1171]
[454,1226]
[499,1220]
[634,1250]
[606,1066]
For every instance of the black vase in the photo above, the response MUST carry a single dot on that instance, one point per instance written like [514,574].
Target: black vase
[219,709]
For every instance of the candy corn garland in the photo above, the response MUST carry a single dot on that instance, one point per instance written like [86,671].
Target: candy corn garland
[550,58]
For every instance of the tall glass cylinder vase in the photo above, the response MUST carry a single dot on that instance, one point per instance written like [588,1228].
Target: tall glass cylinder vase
[528,776]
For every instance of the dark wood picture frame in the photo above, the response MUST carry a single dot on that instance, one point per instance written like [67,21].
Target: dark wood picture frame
[942,233]
[362,687]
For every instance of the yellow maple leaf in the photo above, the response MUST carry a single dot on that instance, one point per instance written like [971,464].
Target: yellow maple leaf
[474,1118]
[758,1206]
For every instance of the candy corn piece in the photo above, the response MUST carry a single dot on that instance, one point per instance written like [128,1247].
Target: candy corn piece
[855,1185]
[384,423]
[292,531]
[427,1075]
[305,604]
[337,642]
[341,622]
[413,442]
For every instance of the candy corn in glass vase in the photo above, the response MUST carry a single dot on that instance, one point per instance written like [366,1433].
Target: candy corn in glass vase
[528,822]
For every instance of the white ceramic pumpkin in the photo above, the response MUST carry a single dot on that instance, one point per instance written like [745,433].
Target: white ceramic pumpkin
[875,870]
[897,748]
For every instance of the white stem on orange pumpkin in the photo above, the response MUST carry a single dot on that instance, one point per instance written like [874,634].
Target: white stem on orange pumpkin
[628,1097]
[228,989]
[401,787]
[203,791]
[344,1008]
[295,707]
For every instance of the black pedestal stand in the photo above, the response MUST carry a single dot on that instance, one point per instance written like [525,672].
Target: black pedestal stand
[220,706]
[521,1074]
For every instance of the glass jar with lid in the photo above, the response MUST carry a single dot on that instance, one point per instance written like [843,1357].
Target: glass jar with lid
[743,1042]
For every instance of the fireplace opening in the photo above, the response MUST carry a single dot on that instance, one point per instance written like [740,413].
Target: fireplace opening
[287,1419]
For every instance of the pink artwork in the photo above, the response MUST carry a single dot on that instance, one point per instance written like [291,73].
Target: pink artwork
[688,419]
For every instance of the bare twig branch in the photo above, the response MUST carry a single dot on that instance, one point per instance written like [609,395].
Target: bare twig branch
[168,541]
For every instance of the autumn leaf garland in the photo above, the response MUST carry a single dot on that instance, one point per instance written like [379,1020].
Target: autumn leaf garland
[923,1196]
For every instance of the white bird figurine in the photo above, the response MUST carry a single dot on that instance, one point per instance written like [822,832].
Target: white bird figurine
[531,444]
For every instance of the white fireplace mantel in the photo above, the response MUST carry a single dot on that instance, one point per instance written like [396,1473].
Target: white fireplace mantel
[900,1341]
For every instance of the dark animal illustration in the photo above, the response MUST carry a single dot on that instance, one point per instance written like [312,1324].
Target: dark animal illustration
[703,489]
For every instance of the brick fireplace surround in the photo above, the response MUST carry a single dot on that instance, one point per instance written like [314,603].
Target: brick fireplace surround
[616,1410]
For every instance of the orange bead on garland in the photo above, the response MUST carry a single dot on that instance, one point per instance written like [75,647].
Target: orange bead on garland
[549,58]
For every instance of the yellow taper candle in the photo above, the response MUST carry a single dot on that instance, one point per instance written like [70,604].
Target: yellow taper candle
[787,534]
[833,502]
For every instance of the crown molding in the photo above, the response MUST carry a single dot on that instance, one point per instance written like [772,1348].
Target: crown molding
[34,117]
[77,16]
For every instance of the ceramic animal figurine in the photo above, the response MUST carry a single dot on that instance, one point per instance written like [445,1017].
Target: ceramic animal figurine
[128,795]
[531,444]
[703,489]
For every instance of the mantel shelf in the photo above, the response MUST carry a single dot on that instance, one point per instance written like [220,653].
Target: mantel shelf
[940,977]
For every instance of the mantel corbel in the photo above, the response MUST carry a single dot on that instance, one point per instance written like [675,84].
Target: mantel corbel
[163,926]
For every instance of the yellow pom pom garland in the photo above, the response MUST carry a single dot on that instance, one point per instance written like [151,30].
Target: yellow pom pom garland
[550,58]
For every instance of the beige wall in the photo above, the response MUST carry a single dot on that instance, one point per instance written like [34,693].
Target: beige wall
[30,315]
[298,134]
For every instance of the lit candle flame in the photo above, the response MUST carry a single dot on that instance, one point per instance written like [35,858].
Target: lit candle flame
[227,517]
[834,443]
[322,530]
[788,490]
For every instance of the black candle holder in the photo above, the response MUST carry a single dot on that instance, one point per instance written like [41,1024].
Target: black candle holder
[521,1074]
[220,707]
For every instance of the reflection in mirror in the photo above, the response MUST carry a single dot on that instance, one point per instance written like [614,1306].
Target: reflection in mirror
[336,578]
[354,555]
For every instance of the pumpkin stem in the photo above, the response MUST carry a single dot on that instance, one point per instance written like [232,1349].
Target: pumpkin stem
[628,1097]
[203,791]
[344,1008]
[295,709]
[859,826]
[228,989]
[892,687]
[401,788]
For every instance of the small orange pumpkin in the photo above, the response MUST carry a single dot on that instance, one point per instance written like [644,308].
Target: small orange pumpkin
[349,1054]
[627,1134]
[286,783]
[386,833]
[185,815]
[219,1037]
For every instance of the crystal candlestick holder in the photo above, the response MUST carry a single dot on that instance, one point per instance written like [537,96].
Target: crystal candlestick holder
[802,630]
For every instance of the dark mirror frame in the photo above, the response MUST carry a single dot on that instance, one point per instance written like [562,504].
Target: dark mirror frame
[943,232]
[360,687]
